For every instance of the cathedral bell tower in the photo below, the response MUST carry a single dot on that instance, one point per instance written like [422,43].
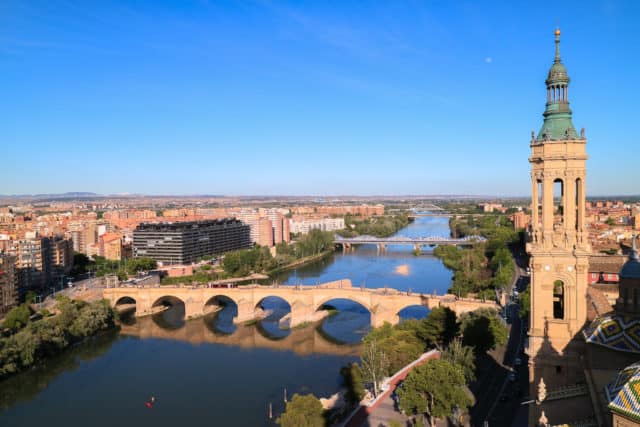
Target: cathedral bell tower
[558,245]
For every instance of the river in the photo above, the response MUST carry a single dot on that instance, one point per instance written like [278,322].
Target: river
[209,371]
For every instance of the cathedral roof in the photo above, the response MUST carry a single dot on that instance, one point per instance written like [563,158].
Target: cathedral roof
[614,331]
[631,268]
[624,392]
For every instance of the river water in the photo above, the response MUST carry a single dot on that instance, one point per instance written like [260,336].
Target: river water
[209,371]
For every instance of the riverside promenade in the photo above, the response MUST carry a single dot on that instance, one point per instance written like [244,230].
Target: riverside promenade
[381,410]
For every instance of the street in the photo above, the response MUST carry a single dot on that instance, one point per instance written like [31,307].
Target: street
[504,384]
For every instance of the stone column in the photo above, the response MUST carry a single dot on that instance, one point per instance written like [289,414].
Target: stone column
[534,206]
[547,208]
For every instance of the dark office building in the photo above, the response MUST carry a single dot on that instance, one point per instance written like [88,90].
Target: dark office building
[185,242]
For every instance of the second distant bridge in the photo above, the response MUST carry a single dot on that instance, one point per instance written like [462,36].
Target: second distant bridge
[417,242]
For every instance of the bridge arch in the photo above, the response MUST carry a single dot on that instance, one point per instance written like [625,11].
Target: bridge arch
[126,307]
[349,323]
[220,312]
[167,301]
[170,312]
[124,300]
[413,311]
[274,303]
[218,300]
[364,302]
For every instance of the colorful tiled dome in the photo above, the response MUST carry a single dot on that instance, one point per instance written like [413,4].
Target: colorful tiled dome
[617,332]
[624,392]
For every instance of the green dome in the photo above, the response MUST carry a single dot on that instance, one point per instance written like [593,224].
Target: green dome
[631,268]
[557,73]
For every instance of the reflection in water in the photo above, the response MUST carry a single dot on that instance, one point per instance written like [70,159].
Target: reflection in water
[195,374]
[402,269]
[344,335]
[348,324]
[171,318]
[25,386]
[275,309]
[221,321]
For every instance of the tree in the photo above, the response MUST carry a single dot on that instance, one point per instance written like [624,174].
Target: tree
[525,303]
[374,364]
[610,221]
[435,388]
[30,298]
[17,318]
[483,329]
[353,382]
[439,328]
[461,356]
[302,411]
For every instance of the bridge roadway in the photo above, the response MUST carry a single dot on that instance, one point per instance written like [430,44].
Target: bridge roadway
[304,301]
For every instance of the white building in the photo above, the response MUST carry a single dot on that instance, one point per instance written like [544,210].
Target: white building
[325,224]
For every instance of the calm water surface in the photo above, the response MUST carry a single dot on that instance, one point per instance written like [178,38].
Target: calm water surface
[209,371]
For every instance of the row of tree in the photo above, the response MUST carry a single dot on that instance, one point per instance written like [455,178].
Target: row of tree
[379,226]
[101,266]
[33,341]
[437,388]
[259,259]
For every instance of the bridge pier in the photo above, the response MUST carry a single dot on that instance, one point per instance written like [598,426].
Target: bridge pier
[380,315]
[193,308]
[417,248]
[246,311]
[382,247]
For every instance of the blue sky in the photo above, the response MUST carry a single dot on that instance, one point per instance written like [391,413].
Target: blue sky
[319,98]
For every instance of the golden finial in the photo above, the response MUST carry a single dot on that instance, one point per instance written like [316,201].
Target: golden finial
[557,33]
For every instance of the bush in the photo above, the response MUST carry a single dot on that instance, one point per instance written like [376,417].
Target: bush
[302,411]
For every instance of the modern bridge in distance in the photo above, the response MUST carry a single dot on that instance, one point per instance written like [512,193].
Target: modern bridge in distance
[417,242]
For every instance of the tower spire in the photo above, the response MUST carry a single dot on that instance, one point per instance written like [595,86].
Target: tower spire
[557,114]
[557,58]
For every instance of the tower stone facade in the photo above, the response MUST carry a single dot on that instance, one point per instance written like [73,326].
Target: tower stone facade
[558,244]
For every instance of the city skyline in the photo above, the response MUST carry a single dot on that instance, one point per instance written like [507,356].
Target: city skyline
[304,99]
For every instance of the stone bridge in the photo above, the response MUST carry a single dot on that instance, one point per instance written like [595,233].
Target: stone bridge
[304,301]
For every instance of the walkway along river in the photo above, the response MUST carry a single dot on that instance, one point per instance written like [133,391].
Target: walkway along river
[210,371]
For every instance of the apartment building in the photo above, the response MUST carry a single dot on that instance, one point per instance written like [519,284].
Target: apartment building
[185,242]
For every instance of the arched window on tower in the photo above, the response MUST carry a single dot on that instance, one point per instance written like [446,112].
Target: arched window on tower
[558,299]
[579,196]
[540,199]
[558,202]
